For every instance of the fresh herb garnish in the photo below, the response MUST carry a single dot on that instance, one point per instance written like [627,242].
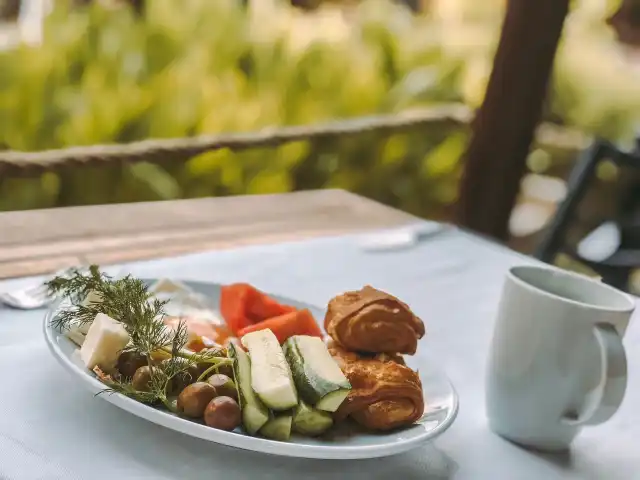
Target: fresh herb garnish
[129,301]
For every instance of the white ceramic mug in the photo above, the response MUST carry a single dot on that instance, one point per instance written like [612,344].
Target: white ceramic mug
[557,361]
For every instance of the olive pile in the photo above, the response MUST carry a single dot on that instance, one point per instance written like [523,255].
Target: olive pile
[214,400]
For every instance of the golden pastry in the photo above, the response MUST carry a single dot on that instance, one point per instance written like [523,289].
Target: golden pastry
[370,320]
[385,394]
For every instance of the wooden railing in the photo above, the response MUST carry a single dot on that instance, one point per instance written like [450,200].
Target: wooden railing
[18,163]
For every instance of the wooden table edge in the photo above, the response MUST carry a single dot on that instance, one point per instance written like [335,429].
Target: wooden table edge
[42,241]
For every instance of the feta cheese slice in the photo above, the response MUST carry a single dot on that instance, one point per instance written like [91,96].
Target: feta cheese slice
[104,341]
[75,336]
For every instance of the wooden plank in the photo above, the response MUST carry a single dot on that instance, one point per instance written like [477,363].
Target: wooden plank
[40,241]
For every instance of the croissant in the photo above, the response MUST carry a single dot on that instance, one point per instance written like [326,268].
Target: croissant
[370,320]
[385,393]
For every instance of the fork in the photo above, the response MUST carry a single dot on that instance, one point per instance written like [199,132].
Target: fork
[35,296]
[27,298]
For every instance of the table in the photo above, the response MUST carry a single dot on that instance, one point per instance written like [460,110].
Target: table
[451,279]
[40,241]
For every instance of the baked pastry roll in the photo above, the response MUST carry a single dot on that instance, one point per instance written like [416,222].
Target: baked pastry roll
[385,393]
[370,320]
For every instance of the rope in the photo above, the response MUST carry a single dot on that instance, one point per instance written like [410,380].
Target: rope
[17,163]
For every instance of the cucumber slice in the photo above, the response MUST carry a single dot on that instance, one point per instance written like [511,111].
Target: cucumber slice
[278,428]
[254,413]
[317,376]
[332,401]
[310,421]
[270,373]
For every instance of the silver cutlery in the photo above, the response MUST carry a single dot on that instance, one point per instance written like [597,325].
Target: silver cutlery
[402,237]
[27,298]
[37,296]
[34,296]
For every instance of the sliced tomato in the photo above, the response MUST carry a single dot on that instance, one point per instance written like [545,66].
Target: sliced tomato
[298,322]
[234,300]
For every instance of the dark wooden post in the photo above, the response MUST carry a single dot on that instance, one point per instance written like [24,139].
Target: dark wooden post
[504,126]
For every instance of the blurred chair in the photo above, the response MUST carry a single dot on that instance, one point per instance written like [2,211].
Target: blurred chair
[613,248]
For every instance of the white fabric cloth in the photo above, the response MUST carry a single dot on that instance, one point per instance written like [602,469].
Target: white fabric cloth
[51,428]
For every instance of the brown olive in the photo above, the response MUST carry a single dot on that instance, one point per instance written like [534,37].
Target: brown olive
[194,399]
[182,379]
[142,379]
[223,413]
[224,386]
[129,362]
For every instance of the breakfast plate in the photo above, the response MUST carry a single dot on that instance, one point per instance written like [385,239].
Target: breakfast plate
[346,440]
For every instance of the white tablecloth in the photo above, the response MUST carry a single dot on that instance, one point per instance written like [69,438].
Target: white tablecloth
[51,428]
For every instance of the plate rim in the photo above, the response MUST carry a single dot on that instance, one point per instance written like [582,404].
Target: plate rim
[233,439]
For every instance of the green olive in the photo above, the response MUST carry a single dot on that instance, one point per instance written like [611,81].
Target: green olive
[224,386]
[129,362]
[193,400]
[223,413]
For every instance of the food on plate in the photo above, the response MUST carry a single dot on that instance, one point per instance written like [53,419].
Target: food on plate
[136,315]
[91,299]
[310,421]
[261,306]
[297,322]
[233,306]
[278,427]
[129,362]
[105,340]
[385,394]
[370,320]
[317,377]
[224,386]
[254,413]
[167,286]
[270,373]
[243,305]
[187,374]
[141,380]
[207,369]
[223,413]
[193,400]
[202,333]
[285,380]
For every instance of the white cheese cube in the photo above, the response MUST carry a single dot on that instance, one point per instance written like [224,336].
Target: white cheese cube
[104,341]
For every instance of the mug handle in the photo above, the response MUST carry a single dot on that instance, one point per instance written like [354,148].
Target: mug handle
[613,379]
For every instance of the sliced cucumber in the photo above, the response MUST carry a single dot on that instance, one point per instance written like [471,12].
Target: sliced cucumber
[310,421]
[332,401]
[254,413]
[317,376]
[279,427]
[270,374]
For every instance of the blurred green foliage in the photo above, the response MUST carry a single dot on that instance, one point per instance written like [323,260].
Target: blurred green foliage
[102,75]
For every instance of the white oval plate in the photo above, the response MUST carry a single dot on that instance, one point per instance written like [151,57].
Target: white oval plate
[343,442]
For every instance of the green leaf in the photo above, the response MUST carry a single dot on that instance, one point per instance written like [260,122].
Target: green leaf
[156,179]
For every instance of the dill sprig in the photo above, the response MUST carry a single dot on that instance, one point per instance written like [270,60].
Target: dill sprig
[75,284]
[125,387]
[129,301]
